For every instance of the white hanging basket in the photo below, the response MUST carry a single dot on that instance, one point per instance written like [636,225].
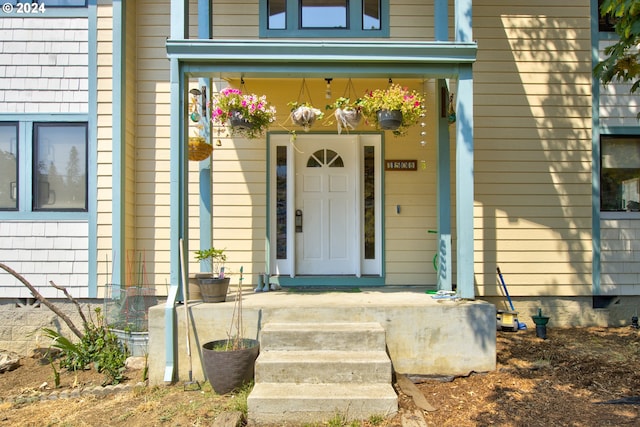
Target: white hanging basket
[305,116]
[348,118]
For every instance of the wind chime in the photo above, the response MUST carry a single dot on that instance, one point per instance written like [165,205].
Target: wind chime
[199,148]
[451,112]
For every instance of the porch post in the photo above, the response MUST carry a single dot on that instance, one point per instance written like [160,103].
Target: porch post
[206,221]
[462,18]
[441,20]
[443,194]
[464,183]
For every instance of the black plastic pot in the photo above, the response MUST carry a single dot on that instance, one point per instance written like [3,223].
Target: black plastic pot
[238,122]
[228,370]
[389,119]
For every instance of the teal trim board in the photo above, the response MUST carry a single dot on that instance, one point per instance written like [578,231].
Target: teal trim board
[595,153]
[118,176]
[92,172]
[328,281]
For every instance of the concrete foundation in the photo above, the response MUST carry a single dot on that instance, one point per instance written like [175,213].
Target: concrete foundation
[22,320]
[424,336]
[572,312]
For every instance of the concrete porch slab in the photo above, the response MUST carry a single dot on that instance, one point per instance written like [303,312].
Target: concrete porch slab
[424,336]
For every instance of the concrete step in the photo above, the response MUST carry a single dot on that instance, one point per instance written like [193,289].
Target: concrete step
[323,367]
[290,402]
[348,336]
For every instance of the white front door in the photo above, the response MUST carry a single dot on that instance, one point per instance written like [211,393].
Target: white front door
[325,206]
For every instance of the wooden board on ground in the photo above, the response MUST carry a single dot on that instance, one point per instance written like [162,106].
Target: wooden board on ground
[410,389]
[413,419]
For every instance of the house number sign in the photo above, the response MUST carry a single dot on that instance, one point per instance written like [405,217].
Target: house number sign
[400,165]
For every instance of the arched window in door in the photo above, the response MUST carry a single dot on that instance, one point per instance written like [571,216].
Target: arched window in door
[323,158]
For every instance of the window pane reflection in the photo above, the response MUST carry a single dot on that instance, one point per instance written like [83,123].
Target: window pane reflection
[620,173]
[277,14]
[370,14]
[281,202]
[60,167]
[323,13]
[369,203]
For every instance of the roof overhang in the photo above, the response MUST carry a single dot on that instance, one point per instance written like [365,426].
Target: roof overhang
[317,58]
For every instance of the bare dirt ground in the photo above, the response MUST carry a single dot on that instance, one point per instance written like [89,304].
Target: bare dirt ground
[577,377]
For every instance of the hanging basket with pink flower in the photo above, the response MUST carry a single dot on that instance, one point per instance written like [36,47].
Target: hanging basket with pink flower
[247,115]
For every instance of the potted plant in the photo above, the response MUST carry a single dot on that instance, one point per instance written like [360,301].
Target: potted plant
[394,108]
[348,113]
[213,285]
[245,114]
[229,363]
[304,114]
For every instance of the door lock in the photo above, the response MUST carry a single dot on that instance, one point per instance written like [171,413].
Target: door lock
[298,221]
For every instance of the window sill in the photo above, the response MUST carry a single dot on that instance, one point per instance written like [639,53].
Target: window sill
[620,215]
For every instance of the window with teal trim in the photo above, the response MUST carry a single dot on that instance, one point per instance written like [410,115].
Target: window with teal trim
[606,23]
[9,166]
[43,166]
[324,18]
[60,166]
[620,173]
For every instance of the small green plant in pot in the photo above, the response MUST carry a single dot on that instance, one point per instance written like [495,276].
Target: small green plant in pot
[214,284]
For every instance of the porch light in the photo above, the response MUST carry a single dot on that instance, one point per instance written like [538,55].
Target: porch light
[327,93]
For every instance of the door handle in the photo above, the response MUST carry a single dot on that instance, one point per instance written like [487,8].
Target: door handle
[298,220]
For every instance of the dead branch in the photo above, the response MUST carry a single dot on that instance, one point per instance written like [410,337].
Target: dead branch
[72,299]
[43,300]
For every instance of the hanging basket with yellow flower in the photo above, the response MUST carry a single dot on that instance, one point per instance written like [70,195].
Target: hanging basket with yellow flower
[395,108]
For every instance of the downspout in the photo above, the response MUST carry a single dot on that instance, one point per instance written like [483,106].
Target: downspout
[178,196]
[178,211]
